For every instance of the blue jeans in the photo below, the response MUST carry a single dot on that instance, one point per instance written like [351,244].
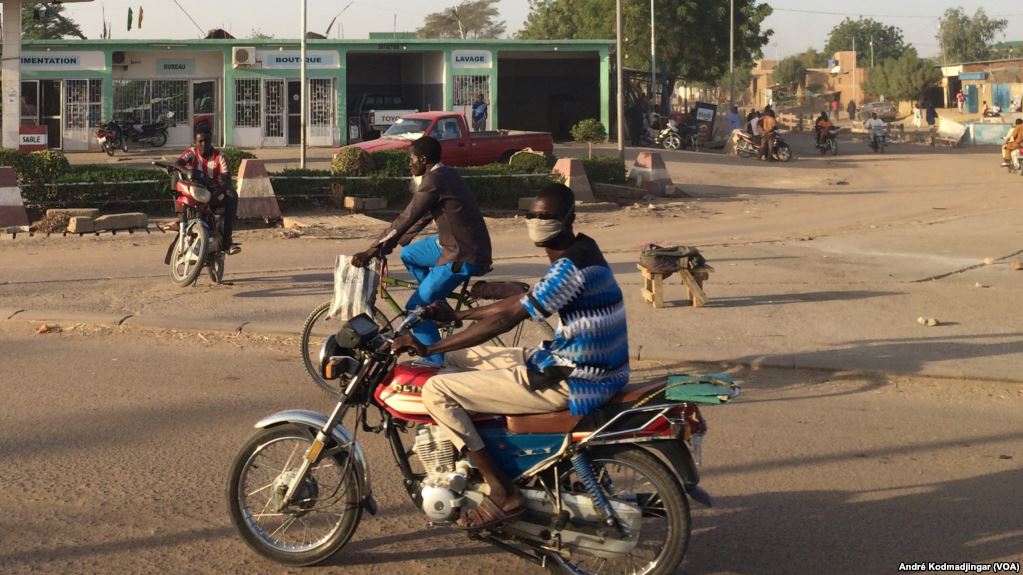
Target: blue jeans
[435,283]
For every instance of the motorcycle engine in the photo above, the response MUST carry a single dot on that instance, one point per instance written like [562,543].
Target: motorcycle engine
[446,479]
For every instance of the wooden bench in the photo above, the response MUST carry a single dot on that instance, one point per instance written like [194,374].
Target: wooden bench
[653,285]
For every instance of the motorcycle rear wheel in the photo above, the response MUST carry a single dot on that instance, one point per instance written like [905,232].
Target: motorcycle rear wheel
[187,262]
[318,524]
[636,477]
[108,148]
[160,139]
[671,142]
[783,153]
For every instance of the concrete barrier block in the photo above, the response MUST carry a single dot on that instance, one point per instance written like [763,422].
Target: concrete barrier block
[81,225]
[364,204]
[126,221]
[12,207]
[575,177]
[73,212]
[649,173]
[256,198]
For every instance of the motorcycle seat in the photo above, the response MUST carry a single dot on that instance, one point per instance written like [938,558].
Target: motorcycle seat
[564,421]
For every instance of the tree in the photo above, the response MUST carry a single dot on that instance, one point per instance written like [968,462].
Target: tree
[904,78]
[966,39]
[470,19]
[692,35]
[590,131]
[258,34]
[790,72]
[888,41]
[813,59]
[48,23]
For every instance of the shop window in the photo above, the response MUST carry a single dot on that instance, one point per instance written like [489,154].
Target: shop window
[246,102]
[146,100]
[466,88]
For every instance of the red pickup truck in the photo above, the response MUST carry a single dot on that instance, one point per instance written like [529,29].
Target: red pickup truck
[459,146]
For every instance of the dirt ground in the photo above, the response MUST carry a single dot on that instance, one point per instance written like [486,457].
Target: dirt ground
[863,438]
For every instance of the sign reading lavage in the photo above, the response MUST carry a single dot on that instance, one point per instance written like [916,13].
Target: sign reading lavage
[471,59]
[175,66]
[63,61]
[291,59]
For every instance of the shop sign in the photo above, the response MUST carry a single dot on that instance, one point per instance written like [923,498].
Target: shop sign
[291,59]
[32,138]
[471,59]
[175,66]
[62,61]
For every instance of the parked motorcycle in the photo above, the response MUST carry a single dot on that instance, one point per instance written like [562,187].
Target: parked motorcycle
[675,137]
[829,142]
[154,134]
[604,493]
[199,242]
[878,139]
[747,147]
[111,137]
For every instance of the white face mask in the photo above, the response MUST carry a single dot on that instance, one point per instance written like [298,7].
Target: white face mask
[541,231]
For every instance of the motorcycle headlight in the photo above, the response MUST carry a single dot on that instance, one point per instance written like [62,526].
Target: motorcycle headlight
[201,194]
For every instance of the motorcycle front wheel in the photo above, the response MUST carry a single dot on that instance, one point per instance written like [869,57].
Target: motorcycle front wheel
[108,148]
[323,514]
[671,142]
[636,478]
[189,257]
[834,147]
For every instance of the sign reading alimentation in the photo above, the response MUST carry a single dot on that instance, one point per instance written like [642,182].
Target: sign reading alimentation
[62,61]
[292,59]
[471,59]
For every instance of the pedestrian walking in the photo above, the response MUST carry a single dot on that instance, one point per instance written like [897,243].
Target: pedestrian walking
[917,114]
[835,107]
[961,101]
[931,115]
[851,110]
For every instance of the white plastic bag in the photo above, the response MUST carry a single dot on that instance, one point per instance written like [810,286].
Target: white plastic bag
[355,289]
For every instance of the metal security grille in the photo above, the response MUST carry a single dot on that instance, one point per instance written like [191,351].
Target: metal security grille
[145,100]
[247,100]
[321,106]
[274,108]
[467,87]
[76,105]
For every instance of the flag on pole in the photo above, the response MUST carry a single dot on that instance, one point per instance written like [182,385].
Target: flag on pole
[140,17]
[104,35]
[130,14]
[104,7]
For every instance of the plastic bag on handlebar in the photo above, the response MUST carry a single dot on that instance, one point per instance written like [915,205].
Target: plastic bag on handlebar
[355,289]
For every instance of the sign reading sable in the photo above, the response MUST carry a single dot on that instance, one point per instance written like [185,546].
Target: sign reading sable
[471,59]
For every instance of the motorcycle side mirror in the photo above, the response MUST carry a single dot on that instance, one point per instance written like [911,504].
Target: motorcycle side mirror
[170,115]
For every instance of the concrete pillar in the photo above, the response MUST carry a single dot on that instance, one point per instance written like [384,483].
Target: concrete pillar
[11,69]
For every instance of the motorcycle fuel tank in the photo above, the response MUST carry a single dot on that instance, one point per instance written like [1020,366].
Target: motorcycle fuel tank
[402,395]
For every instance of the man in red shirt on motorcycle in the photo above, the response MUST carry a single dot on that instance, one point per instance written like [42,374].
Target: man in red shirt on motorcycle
[209,161]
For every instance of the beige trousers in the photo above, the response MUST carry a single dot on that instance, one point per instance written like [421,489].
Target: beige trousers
[494,381]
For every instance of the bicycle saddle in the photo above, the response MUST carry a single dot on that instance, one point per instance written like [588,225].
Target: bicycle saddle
[497,290]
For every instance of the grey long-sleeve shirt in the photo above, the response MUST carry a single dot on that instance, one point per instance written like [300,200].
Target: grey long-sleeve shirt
[443,197]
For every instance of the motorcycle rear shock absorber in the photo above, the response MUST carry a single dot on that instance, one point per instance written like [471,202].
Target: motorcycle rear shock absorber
[584,469]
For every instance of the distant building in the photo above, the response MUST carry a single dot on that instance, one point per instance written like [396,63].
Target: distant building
[998,82]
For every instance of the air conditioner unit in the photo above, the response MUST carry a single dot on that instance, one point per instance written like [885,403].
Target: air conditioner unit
[117,57]
[243,56]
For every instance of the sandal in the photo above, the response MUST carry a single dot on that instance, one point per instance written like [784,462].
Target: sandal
[487,515]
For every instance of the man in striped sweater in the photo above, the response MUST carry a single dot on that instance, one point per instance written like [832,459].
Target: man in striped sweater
[581,369]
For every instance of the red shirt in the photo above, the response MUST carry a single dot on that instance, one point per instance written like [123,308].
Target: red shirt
[213,166]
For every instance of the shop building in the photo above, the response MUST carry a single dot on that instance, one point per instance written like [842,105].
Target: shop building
[247,91]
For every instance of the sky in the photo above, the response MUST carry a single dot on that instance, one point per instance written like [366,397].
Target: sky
[798,24]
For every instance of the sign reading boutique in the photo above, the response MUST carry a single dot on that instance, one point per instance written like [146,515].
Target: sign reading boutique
[62,61]
[291,59]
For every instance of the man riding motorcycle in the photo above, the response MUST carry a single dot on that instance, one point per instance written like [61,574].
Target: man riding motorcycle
[874,125]
[438,263]
[1013,140]
[209,161]
[583,367]
[821,126]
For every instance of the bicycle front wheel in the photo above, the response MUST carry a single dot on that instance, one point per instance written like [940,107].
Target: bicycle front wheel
[316,329]
[528,334]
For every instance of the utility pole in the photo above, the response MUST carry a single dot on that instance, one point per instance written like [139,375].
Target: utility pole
[653,59]
[620,103]
[302,89]
[731,53]
[856,62]
[871,53]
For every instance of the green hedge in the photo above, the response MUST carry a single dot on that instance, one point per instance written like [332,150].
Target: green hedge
[392,163]
[605,170]
[149,190]
[235,156]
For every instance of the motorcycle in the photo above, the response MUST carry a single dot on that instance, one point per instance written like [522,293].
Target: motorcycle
[154,134]
[829,142]
[604,492]
[111,137]
[1016,161]
[199,241]
[746,146]
[878,139]
[674,137]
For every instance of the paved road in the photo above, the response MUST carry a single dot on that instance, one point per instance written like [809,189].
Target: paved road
[116,444]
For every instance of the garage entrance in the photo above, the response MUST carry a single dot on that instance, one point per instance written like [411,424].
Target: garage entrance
[408,80]
[547,91]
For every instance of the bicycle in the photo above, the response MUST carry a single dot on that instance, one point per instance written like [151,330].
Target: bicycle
[316,328]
